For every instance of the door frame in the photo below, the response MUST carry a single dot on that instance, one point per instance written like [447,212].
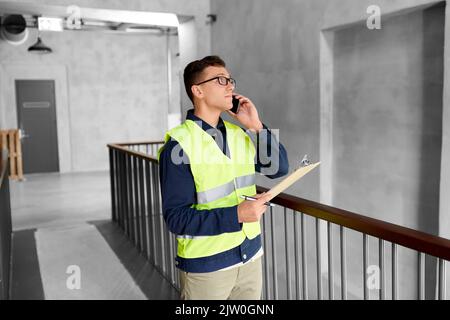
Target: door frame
[58,73]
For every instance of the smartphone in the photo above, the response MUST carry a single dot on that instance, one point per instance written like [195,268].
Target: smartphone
[235,107]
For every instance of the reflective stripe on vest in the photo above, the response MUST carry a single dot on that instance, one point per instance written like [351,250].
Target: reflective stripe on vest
[186,236]
[225,189]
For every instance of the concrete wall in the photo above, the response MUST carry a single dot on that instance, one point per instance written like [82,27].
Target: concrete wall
[116,84]
[387,127]
[387,118]
[272,50]
[276,53]
[116,91]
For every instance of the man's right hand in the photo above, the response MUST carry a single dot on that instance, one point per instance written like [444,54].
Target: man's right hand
[251,211]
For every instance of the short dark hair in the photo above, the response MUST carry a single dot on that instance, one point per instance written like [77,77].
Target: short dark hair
[195,68]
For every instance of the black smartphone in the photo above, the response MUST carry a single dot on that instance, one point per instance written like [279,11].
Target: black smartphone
[235,107]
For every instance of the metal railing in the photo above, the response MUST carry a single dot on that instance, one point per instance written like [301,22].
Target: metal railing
[336,225]
[312,251]
[5,227]
[136,204]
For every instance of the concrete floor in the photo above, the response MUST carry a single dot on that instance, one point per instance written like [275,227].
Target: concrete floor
[51,200]
[56,218]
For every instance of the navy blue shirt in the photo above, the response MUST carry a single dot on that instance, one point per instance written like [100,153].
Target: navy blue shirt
[179,194]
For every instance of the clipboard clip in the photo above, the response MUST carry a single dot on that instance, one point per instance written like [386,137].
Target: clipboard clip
[305,161]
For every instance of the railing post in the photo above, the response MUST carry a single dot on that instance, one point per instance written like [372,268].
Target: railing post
[171,256]
[442,282]
[343,264]
[286,243]
[137,208]
[319,260]
[155,213]
[124,199]
[126,209]
[112,170]
[297,278]
[304,264]
[274,262]
[151,232]
[365,265]
[382,270]
[330,262]
[266,259]
[394,271]
[421,275]
[119,189]
[131,220]
[142,207]
[119,209]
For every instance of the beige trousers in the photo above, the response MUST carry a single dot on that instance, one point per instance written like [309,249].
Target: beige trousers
[239,283]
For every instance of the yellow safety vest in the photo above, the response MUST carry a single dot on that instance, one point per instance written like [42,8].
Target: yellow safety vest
[219,182]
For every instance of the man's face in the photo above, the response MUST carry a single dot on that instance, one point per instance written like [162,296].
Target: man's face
[216,95]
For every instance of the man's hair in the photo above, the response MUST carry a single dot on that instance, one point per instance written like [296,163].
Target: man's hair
[194,69]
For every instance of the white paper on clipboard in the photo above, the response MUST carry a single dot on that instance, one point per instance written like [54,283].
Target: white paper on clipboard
[291,179]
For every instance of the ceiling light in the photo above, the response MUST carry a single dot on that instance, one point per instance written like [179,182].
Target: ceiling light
[50,24]
[39,47]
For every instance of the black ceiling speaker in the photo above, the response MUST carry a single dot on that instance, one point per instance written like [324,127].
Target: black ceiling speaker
[14,29]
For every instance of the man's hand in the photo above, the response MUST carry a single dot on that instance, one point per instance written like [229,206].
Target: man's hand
[247,114]
[251,211]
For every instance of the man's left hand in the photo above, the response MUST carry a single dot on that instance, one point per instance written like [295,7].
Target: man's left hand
[247,114]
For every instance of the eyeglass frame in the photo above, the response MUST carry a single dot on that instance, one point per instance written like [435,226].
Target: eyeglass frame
[229,80]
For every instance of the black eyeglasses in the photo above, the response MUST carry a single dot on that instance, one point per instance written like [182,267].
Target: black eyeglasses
[223,81]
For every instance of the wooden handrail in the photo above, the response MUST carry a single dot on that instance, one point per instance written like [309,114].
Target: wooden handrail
[136,143]
[410,238]
[120,146]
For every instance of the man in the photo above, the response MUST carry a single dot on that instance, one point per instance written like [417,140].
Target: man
[206,166]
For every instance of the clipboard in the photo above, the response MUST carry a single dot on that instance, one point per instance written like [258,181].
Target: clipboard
[304,168]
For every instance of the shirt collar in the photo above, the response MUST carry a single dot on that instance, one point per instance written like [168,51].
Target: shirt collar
[204,125]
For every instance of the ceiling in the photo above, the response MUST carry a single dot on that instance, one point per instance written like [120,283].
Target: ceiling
[93,19]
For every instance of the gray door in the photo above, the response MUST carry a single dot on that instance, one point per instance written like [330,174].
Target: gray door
[36,113]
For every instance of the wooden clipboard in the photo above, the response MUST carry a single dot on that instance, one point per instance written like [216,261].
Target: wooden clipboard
[291,179]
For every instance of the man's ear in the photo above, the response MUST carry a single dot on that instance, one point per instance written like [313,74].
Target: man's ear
[196,91]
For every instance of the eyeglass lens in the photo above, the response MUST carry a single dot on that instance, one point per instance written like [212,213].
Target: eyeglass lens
[224,81]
